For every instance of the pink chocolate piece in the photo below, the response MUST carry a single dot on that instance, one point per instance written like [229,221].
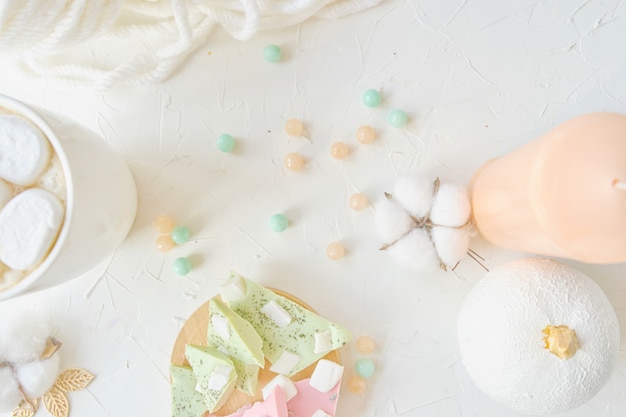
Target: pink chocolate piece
[274,406]
[308,400]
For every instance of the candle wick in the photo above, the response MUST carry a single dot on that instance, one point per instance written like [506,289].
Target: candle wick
[620,185]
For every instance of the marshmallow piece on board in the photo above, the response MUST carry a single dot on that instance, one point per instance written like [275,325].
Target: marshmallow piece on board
[24,150]
[326,375]
[451,243]
[273,406]
[275,312]
[320,413]
[392,221]
[6,193]
[285,363]
[234,289]
[415,194]
[287,385]
[29,225]
[451,206]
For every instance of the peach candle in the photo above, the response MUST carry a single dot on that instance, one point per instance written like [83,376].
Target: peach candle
[563,194]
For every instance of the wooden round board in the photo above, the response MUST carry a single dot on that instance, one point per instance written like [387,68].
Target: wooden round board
[194,331]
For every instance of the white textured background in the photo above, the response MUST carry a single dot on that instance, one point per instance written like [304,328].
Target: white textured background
[478,78]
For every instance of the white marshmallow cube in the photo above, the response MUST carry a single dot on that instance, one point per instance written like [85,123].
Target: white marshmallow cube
[221,326]
[323,342]
[289,388]
[29,225]
[320,413]
[285,363]
[277,314]
[326,375]
[219,377]
[24,150]
[234,289]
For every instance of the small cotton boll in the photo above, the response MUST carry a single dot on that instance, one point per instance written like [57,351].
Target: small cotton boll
[451,206]
[10,396]
[414,194]
[415,252]
[451,243]
[37,377]
[392,221]
[23,337]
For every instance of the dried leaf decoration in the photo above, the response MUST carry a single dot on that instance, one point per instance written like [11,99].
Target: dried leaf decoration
[73,379]
[26,409]
[56,402]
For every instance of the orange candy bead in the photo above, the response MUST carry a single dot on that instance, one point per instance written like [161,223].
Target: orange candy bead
[365,345]
[294,127]
[335,251]
[365,134]
[163,224]
[164,243]
[339,150]
[294,161]
[356,384]
[358,201]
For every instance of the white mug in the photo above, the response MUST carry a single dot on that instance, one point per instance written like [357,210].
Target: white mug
[100,204]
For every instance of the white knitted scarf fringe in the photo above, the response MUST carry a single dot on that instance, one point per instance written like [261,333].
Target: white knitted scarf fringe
[38,33]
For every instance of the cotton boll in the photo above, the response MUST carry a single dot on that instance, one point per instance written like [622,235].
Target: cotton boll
[451,206]
[10,396]
[23,337]
[392,221]
[451,243]
[415,252]
[414,194]
[37,377]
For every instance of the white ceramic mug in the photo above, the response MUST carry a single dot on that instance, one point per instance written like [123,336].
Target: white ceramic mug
[100,204]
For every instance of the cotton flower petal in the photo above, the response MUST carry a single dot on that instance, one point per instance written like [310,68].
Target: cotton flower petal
[37,377]
[10,396]
[392,221]
[415,194]
[451,243]
[415,252]
[451,206]
[23,337]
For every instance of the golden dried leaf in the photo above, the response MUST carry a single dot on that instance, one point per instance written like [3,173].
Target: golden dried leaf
[52,345]
[56,402]
[26,409]
[73,379]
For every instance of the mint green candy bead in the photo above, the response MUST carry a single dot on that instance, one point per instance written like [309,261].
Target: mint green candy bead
[225,142]
[182,266]
[278,223]
[180,234]
[371,98]
[365,368]
[272,53]
[397,118]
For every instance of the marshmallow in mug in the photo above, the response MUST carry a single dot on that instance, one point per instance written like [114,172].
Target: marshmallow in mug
[32,194]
